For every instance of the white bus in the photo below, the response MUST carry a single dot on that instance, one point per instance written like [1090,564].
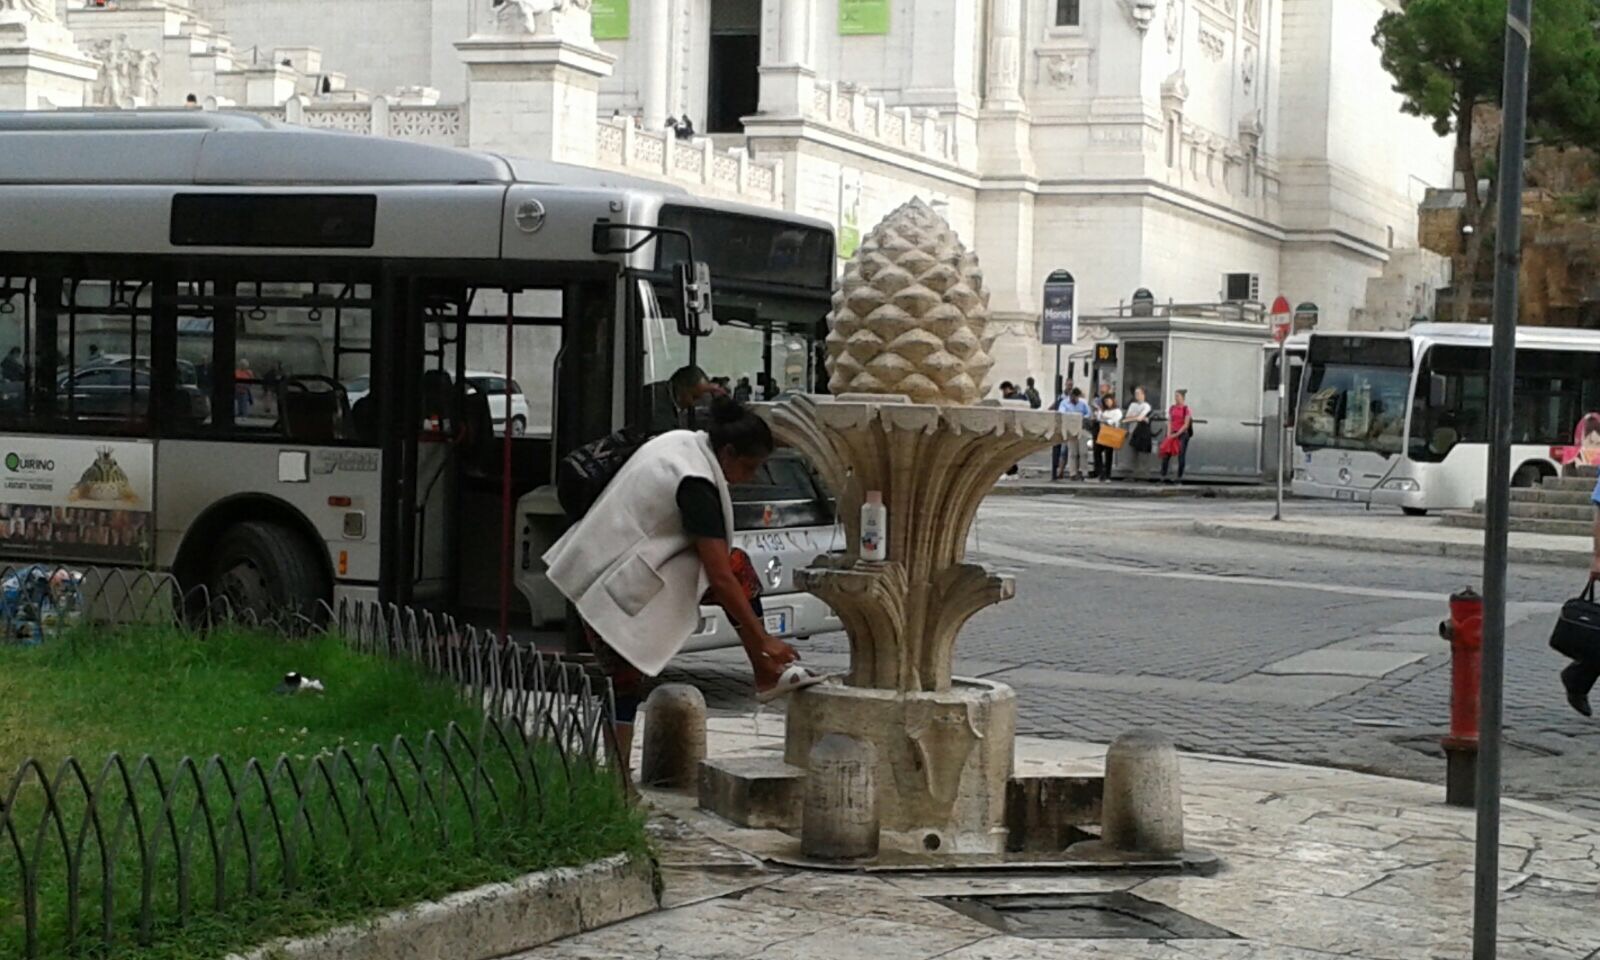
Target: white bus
[1402,419]
[245,353]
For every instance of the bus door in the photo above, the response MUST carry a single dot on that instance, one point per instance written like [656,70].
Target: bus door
[498,375]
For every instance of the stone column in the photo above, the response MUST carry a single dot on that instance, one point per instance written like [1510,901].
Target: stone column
[1005,56]
[787,86]
[1004,126]
[41,67]
[656,84]
[536,94]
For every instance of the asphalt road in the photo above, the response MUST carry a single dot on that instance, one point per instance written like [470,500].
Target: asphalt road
[1124,619]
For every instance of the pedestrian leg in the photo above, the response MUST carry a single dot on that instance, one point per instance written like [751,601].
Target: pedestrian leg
[1579,678]
[1056,454]
[1183,456]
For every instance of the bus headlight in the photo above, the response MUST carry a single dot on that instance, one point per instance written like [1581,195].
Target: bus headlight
[1302,474]
[1402,485]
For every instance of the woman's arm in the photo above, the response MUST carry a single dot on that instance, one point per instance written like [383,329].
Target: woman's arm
[730,595]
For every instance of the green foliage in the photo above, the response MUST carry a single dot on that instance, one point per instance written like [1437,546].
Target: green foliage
[170,694]
[1448,56]
[1585,201]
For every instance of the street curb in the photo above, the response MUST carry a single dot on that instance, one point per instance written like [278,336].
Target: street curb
[1421,548]
[491,921]
[1044,488]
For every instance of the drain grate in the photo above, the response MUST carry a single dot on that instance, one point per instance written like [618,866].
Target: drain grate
[1083,916]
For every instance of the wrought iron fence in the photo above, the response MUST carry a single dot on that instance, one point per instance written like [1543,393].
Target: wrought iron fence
[132,845]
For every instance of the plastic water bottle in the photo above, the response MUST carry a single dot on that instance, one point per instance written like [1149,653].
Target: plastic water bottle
[874,528]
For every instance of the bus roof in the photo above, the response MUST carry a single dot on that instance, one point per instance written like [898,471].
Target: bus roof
[218,147]
[1481,334]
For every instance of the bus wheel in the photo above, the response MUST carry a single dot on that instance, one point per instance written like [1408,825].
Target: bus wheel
[267,569]
[1527,475]
[1414,511]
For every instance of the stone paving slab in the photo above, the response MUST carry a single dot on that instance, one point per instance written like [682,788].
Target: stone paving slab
[1391,534]
[1372,664]
[1317,863]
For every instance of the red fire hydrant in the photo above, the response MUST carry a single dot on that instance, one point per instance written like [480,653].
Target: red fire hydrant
[1464,630]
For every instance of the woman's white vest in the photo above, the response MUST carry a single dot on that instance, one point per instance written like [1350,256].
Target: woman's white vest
[628,565]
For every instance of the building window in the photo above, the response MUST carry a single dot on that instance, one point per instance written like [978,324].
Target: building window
[1069,13]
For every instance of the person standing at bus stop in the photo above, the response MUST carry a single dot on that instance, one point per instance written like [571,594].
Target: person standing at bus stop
[639,562]
[1579,676]
[1077,446]
[1180,429]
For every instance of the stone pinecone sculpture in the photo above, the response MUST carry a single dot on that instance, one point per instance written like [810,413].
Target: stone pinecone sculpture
[911,316]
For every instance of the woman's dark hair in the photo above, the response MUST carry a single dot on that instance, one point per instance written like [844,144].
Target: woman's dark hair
[1108,401]
[735,425]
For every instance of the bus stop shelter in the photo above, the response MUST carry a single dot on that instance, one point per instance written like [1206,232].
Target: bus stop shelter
[1215,352]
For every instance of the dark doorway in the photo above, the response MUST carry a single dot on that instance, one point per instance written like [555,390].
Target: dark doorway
[734,87]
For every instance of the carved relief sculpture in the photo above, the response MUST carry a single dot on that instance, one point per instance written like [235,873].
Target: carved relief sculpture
[1141,13]
[147,82]
[38,11]
[1062,69]
[522,16]
[1174,24]
[125,73]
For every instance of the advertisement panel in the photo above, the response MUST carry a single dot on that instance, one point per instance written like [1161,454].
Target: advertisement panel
[863,18]
[77,499]
[849,211]
[1060,322]
[609,19]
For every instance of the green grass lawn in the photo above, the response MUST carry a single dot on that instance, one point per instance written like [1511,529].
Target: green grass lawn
[420,827]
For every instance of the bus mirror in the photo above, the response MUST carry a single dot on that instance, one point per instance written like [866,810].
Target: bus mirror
[1438,391]
[694,289]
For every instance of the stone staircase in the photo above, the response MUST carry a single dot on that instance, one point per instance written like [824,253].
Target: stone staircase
[1560,506]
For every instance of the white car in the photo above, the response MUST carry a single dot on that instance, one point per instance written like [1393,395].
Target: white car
[498,389]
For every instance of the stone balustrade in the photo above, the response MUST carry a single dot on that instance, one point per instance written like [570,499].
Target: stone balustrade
[437,124]
[697,163]
[916,131]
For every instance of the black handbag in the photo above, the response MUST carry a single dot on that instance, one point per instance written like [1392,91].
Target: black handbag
[1577,632]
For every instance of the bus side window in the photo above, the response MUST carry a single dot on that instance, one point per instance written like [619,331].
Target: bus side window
[279,359]
[18,328]
[75,353]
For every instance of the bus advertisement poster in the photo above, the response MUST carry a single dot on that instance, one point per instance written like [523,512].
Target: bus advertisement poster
[88,500]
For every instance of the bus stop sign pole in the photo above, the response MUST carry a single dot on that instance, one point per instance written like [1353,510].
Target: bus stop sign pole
[1502,373]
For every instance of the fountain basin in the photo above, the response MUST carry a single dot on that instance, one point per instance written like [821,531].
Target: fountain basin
[944,758]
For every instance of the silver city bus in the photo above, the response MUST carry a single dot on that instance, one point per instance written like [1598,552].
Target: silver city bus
[278,362]
[1401,419]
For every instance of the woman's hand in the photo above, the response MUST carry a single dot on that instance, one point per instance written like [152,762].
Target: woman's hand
[766,646]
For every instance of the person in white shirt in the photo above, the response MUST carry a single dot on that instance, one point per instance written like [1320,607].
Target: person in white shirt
[1109,415]
[1136,420]
[1076,447]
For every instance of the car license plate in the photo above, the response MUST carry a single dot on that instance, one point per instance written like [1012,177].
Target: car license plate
[777,623]
[1344,494]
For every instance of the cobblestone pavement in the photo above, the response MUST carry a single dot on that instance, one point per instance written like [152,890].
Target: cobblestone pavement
[1123,619]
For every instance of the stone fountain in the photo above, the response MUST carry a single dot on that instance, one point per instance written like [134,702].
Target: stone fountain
[908,357]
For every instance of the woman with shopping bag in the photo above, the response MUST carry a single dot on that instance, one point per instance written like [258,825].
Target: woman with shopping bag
[1110,437]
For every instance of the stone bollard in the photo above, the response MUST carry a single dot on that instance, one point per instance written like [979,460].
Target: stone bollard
[840,817]
[674,737]
[1142,808]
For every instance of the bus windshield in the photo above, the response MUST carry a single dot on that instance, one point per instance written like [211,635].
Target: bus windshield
[1356,394]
